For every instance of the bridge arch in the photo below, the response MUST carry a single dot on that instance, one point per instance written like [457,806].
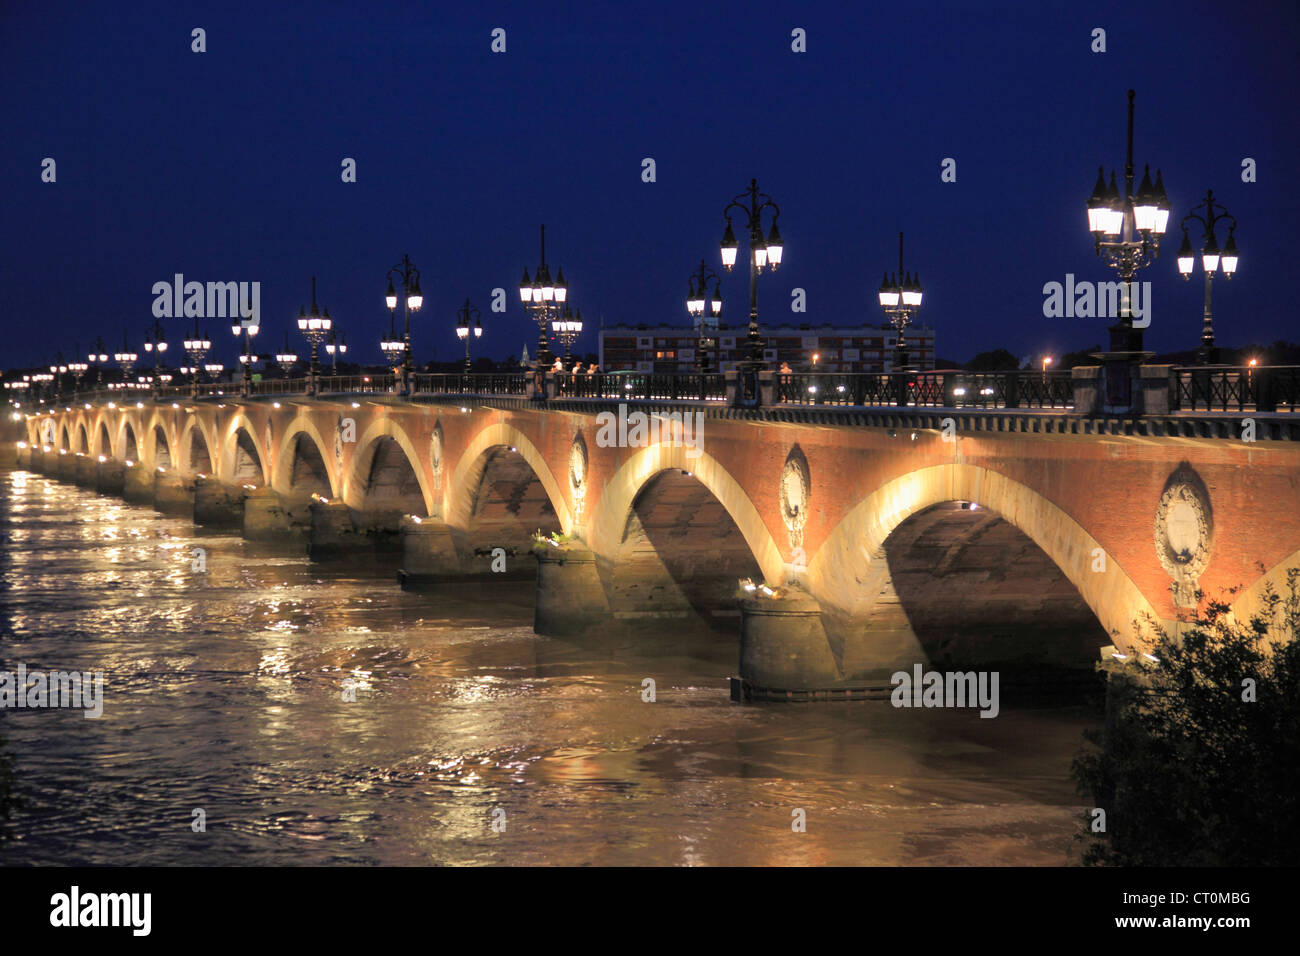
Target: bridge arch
[103,440]
[128,443]
[243,461]
[1250,600]
[83,439]
[160,449]
[195,448]
[378,463]
[461,491]
[65,440]
[304,462]
[848,567]
[609,522]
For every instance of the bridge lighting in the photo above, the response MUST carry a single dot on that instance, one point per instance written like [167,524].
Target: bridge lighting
[414,299]
[139,404]
[356,405]
[417,519]
[468,320]
[704,305]
[1126,230]
[1211,259]
[275,404]
[750,205]
[129,463]
[103,458]
[1118,656]
[544,301]
[22,444]
[314,328]
[900,296]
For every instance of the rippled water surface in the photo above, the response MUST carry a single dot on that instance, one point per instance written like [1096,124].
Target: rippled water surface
[224,693]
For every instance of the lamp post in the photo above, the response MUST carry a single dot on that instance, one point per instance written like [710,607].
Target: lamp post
[1211,260]
[314,328]
[247,331]
[750,204]
[336,346]
[196,348]
[78,369]
[125,358]
[469,325]
[1113,219]
[97,358]
[900,296]
[705,306]
[568,327]
[286,359]
[411,301]
[543,300]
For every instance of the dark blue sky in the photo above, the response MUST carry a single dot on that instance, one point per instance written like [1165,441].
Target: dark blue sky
[225,165]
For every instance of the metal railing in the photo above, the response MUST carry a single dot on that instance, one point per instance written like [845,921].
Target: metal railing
[949,389]
[1274,388]
[643,386]
[475,383]
[1191,389]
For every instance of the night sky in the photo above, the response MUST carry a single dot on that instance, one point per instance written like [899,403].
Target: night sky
[225,165]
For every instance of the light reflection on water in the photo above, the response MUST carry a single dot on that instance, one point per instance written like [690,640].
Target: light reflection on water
[224,691]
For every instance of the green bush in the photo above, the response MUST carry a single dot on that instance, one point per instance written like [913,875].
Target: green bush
[1189,769]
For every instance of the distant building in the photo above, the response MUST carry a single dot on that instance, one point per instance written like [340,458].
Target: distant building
[858,348]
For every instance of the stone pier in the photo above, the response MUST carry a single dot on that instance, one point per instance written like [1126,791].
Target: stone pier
[271,516]
[173,493]
[428,553]
[334,535]
[110,477]
[216,504]
[570,597]
[783,645]
[137,484]
[84,470]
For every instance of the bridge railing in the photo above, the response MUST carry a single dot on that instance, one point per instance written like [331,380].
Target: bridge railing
[380,384]
[947,389]
[1274,388]
[474,383]
[643,386]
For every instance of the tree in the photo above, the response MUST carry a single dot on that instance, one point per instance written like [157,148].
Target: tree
[1199,761]
[999,360]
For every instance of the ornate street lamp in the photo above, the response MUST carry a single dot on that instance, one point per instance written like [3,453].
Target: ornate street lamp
[568,327]
[97,358]
[246,360]
[196,348]
[544,300]
[469,325]
[78,369]
[286,359]
[762,253]
[1113,220]
[411,301]
[1211,260]
[314,328]
[125,358]
[900,297]
[705,306]
[336,346]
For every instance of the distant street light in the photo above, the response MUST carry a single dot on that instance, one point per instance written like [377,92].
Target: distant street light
[336,346]
[286,359]
[469,325]
[97,358]
[900,296]
[1211,260]
[314,328]
[568,327]
[412,300]
[750,204]
[543,301]
[705,306]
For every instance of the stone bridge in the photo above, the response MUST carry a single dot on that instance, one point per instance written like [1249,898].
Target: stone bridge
[841,544]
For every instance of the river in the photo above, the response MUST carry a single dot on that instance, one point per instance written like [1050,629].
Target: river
[224,693]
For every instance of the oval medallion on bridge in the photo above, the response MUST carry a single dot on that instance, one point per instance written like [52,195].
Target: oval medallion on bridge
[435,453]
[1184,531]
[578,470]
[793,493]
